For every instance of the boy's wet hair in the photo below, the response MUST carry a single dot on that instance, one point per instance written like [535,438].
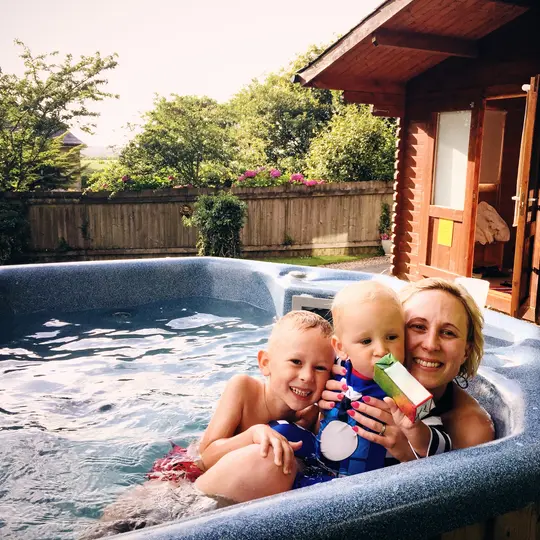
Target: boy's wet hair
[304,320]
[361,292]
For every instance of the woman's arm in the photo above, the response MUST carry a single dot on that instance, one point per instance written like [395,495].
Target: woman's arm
[468,424]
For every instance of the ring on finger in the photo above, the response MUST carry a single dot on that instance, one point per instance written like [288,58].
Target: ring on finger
[381,433]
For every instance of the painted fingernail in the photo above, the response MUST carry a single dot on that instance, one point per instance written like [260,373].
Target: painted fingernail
[366,399]
[332,405]
[340,396]
[344,387]
[350,413]
[355,429]
[343,371]
[355,405]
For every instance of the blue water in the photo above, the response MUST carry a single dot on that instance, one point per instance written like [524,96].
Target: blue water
[89,400]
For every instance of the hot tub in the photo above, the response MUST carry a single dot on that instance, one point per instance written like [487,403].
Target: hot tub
[413,500]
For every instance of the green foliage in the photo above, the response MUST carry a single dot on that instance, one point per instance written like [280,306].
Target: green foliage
[355,146]
[115,177]
[14,231]
[260,177]
[187,137]
[219,220]
[277,119]
[385,221]
[37,108]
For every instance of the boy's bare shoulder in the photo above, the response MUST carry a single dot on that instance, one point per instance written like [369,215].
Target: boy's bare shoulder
[244,384]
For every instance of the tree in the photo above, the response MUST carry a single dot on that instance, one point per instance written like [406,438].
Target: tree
[37,108]
[354,146]
[278,119]
[186,137]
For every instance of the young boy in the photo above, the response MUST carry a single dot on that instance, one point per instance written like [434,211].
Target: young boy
[297,364]
[368,324]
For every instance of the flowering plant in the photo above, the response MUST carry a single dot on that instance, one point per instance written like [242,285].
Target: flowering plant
[269,177]
[261,177]
[298,178]
[385,236]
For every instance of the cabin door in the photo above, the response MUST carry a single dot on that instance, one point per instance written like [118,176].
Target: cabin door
[527,258]
[451,189]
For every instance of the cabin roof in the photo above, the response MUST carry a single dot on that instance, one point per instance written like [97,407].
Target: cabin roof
[68,139]
[403,38]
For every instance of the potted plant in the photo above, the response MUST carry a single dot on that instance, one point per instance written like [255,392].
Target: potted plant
[385,223]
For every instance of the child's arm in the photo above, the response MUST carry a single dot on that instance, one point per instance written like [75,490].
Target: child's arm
[220,439]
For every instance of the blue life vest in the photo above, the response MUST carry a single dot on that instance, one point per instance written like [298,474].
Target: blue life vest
[337,445]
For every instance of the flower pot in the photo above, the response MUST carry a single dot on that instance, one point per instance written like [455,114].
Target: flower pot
[387,246]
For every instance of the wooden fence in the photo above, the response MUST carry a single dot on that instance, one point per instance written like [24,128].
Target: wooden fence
[288,220]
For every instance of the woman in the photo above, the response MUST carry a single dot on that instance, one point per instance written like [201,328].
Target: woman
[444,344]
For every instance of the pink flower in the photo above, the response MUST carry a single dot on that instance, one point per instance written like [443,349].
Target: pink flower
[385,236]
[250,174]
[311,183]
[241,178]
[275,173]
[170,177]
[297,177]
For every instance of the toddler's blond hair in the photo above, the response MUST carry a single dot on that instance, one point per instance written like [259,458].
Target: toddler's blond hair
[358,293]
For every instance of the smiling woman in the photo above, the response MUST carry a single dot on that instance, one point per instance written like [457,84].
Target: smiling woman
[444,344]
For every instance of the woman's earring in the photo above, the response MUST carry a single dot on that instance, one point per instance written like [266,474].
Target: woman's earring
[461,381]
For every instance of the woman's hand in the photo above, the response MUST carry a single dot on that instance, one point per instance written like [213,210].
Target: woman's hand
[332,392]
[385,430]
[284,450]
[399,417]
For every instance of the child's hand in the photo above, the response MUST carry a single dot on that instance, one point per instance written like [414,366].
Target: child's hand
[402,421]
[284,450]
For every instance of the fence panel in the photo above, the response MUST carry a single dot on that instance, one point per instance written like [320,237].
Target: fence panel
[329,218]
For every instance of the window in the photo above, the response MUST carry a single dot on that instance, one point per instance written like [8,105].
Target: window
[451,158]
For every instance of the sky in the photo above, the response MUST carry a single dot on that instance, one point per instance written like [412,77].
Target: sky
[186,47]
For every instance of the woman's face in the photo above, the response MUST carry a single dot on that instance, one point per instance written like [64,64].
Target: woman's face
[436,338]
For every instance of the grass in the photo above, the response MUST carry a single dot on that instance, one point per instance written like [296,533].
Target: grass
[319,261]
[95,164]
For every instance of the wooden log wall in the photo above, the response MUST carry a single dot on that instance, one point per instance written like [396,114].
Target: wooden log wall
[288,220]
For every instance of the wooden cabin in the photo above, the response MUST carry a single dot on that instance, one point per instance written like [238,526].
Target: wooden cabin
[462,77]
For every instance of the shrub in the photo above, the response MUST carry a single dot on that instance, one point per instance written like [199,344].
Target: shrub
[355,146]
[14,231]
[219,220]
[260,177]
[385,222]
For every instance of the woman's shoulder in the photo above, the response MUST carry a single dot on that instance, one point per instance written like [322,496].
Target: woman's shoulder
[468,423]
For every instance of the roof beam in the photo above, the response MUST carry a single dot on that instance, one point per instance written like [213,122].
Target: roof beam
[364,85]
[382,104]
[425,42]
[364,29]
[521,3]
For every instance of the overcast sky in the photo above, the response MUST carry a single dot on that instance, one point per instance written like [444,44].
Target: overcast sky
[200,47]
